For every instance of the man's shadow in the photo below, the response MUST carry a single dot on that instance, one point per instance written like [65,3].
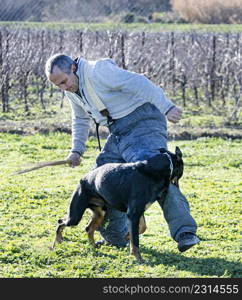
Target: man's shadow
[201,266]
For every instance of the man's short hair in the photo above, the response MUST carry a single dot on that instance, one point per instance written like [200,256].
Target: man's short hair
[62,61]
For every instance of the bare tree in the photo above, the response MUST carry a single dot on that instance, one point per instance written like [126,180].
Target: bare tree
[198,68]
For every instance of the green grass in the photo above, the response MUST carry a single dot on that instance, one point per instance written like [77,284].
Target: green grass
[153,27]
[31,204]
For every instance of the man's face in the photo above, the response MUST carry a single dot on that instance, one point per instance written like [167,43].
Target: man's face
[66,82]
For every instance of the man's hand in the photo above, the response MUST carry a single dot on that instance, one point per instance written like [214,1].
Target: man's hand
[174,115]
[74,158]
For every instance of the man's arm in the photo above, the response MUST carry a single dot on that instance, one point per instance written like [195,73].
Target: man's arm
[80,132]
[115,78]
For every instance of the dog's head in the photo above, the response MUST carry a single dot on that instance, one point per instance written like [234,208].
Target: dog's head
[176,165]
[166,165]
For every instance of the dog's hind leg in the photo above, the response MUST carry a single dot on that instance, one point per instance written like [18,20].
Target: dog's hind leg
[97,218]
[79,203]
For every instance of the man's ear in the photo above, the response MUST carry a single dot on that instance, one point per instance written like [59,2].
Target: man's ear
[73,68]
[178,153]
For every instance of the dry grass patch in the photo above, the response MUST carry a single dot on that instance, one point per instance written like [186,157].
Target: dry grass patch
[209,11]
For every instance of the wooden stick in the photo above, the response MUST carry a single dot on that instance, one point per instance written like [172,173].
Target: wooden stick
[42,165]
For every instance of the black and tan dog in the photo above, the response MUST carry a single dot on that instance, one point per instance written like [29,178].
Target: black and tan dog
[128,187]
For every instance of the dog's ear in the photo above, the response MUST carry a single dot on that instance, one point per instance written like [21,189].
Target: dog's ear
[178,153]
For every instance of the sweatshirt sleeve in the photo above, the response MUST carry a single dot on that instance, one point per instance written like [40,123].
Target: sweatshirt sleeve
[115,78]
[80,127]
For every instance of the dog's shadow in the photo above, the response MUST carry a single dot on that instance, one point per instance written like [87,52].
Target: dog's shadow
[201,266]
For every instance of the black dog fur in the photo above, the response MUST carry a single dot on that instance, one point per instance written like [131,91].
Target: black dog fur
[128,187]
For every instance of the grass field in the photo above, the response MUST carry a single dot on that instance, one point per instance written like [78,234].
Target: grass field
[31,204]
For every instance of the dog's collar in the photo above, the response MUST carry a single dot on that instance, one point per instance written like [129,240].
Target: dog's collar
[171,164]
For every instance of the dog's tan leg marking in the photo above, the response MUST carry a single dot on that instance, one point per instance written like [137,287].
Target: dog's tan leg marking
[97,218]
[142,227]
[135,251]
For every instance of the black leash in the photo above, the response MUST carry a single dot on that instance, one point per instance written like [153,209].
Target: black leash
[110,121]
[98,138]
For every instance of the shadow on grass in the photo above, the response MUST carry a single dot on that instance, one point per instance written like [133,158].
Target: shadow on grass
[213,266]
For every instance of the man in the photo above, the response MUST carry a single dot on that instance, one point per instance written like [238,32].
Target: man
[135,111]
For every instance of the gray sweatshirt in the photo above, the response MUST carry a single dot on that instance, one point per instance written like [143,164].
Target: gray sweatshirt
[121,91]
